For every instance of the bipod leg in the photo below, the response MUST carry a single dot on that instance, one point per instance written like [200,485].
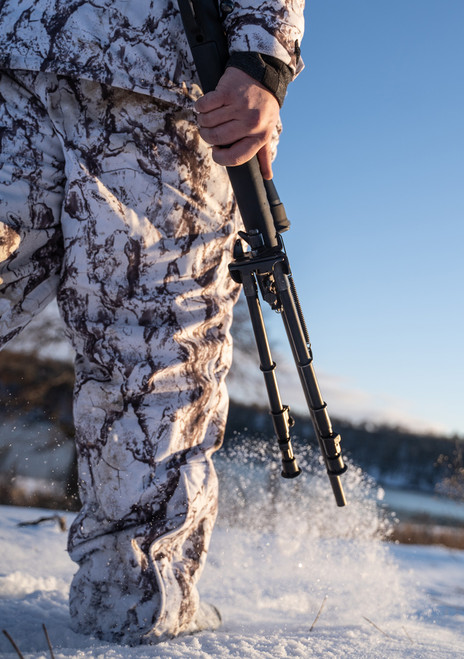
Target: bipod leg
[280,413]
[329,442]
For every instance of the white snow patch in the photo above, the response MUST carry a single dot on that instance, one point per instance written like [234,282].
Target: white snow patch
[279,552]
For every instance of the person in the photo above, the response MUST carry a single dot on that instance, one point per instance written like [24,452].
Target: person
[114,200]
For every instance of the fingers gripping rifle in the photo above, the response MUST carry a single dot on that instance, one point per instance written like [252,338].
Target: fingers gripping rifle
[264,265]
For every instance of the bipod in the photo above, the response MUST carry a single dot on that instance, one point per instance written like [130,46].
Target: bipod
[268,270]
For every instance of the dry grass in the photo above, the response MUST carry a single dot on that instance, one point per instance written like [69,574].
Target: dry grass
[413,533]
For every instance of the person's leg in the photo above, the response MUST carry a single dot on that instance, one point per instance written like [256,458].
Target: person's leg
[148,227]
[31,194]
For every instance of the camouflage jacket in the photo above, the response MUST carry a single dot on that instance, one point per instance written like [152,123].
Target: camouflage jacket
[136,44]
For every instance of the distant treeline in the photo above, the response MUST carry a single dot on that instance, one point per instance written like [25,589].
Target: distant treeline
[392,455]
[38,390]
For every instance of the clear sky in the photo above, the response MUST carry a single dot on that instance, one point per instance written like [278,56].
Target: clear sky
[371,171]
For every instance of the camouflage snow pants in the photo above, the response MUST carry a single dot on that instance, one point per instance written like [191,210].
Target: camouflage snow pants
[110,201]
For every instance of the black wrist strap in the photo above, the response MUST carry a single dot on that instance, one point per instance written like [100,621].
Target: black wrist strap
[271,72]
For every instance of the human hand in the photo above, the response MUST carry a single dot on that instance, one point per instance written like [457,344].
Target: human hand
[238,119]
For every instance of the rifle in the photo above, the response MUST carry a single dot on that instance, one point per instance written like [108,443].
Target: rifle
[264,265]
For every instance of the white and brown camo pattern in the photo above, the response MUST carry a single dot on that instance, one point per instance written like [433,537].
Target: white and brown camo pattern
[110,200]
[135,44]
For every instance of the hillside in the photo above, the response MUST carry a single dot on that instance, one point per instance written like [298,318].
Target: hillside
[395,457]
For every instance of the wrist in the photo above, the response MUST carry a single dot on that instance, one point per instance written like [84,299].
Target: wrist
[269,71]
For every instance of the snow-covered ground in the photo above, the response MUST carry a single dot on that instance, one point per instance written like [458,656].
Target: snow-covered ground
[278,555]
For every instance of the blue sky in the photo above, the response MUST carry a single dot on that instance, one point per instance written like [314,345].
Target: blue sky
[371,171]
